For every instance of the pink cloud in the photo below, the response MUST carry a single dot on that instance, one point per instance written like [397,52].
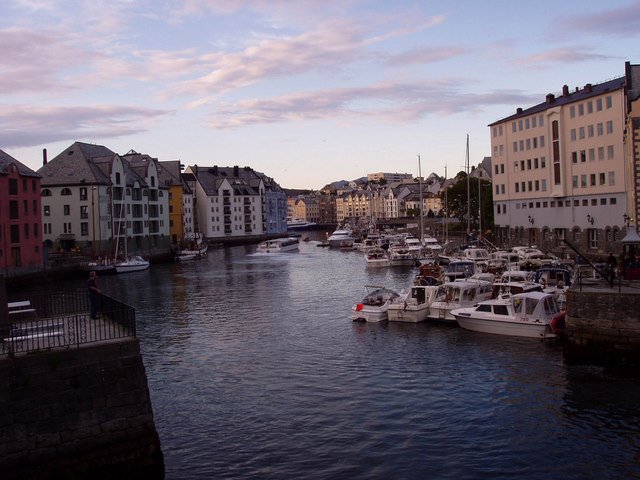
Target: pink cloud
[622,21]
[22,126]
[562,55]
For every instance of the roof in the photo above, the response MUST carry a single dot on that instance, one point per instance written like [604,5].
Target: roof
[570,97]
[77,164]
[6,160]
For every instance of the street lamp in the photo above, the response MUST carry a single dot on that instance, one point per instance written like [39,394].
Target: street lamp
[531,220]
[590,219]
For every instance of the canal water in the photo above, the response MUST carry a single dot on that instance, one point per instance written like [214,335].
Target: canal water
[257,372]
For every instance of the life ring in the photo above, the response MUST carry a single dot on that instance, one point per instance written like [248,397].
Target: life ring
[557,322]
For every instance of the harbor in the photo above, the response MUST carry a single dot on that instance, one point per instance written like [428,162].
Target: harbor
[256,370]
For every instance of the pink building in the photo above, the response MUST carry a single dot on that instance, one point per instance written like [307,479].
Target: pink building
[20,218]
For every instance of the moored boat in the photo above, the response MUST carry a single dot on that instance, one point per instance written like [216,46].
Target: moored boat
[457,294]
[531,314]
[414,307]
[131,264]
[375,304]
[376,257]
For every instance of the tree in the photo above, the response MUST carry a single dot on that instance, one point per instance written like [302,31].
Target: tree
[457,205]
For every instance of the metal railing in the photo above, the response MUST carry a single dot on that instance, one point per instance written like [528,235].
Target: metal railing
[62,320]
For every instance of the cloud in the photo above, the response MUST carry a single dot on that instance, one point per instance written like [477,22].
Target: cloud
[391,102]
[622,21]
[562,56]
[23,126]
[425,55]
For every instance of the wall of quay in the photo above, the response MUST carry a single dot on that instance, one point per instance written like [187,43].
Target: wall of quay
[603,327]
[79,413]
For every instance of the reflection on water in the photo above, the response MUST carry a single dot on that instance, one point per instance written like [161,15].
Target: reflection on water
[256,371]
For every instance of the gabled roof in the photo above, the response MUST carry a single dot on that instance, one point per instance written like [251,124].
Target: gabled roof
[212,178]
[6,160]
[169,173]
[552,101]
[76,165]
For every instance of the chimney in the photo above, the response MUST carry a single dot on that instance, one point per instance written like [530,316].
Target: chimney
[519,110]
[215,170]
[236,171]
[551,98]
[565,90]
[44,157]
[587,87]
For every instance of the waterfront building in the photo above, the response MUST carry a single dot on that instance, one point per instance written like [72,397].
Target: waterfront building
[95,200]
[169,176]
[20,218]
[234,202]
[559,169]
[632,142]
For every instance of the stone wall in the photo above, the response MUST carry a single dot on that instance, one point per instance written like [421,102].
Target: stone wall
[79,413]
[603,327]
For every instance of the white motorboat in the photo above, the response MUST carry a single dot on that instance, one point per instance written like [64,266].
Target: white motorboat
[457,269]
[432,244]
[532,314]
[185,256]
[132,264]
[376,257]
[414,307]
[458,294]
[374,305]
[400,254]
[279,245]
[340,238]
[300,224]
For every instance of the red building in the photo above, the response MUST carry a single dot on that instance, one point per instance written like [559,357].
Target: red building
[20,218]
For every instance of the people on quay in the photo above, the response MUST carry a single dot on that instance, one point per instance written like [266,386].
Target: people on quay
[94,291]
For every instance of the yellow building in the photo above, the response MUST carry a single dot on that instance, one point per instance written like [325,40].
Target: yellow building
[169,176]
[559,169]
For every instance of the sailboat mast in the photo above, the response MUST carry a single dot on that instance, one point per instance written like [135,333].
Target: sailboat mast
[421,206]
[468,191]
[445,218]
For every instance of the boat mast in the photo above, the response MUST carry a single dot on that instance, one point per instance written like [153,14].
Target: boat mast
[421,206]
[468,191]
[445,218]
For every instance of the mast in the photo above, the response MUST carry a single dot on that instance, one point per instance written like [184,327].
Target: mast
[445,218]
[421,206]
[468,191]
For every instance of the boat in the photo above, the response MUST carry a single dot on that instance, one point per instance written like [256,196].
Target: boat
[459,269]
[374,305]
[279,245]
[185,256]
[400,255]
[300,224]
[458,294]
[340,238]
[414,307]
[195,246]
[531,314]
[432,244]
[131,264]
[376,257]
[102,266]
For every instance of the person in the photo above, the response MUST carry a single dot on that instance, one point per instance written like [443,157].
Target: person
[94,291]
[611,267]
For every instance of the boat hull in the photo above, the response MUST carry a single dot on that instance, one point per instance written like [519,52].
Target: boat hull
[409,315]
[509,328]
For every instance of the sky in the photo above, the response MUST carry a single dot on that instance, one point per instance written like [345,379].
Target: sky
[306,91]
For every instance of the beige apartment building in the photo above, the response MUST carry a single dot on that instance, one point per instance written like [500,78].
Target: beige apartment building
[559,169]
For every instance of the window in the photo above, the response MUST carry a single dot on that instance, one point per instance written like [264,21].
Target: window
[589,106]
[574,157]
[581,109]
[592,154]
[609,101]
[612,178]
[593,238]
[583,181]
[15,233]
[66,210]
[14,212]
[26,230]
[600,129]
[590,131]
[581,131]
[600,153]
[602,178]
[592,180]
[612,201]
[500,310]
[572,111]
[583,156]
[47,209]
[609,126]
[65,191]
[45,193]
[83,193]
[574,180]
[84,211]
[610,152]
[573,135]
[544,184]
[13,186]
[84,229]
[599,105]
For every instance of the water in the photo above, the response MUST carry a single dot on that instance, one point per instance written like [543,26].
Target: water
[256,371]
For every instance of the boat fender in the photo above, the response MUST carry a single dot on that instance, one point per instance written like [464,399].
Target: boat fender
[359,307]
[557,322]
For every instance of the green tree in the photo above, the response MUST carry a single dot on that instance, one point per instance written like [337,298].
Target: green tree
[458,206]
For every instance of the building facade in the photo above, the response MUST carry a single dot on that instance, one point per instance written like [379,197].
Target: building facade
[20,218]
[103,204]
[559,169]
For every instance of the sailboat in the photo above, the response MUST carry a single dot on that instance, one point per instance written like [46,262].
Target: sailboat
[128,264]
